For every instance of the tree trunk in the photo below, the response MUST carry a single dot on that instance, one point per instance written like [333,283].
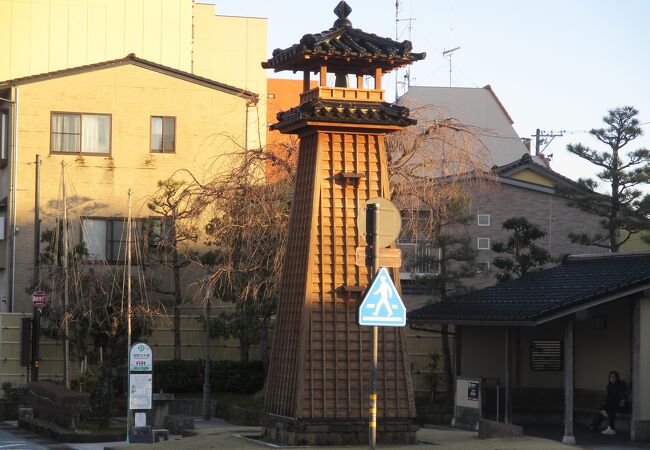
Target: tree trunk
[615,204]
[177,309]
[446,367]
[446,354]
[177,292]
[243,350]
[264,345]
[107,395]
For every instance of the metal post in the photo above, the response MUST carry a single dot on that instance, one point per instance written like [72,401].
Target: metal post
[128,312]
[206,364]
[507,417]
[569,437]
[537,142]
[36,334]
[498,395]
[66,284]
[371,233]
[636,369]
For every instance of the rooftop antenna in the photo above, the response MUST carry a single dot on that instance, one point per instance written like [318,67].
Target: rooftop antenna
[407,77]
[449,53]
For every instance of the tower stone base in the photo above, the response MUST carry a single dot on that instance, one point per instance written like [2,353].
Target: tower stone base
[289,431]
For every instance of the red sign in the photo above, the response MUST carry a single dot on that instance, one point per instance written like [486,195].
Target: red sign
[39,299]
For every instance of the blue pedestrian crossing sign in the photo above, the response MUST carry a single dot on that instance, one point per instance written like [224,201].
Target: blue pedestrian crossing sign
[382,305]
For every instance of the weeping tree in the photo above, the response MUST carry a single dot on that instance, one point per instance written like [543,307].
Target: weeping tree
[239,217]
[435,167]
[180,204]
[246,236]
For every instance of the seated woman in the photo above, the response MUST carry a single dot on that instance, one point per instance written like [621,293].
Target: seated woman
[615,402]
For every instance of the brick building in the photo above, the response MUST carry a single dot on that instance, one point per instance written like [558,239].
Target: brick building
[523,188]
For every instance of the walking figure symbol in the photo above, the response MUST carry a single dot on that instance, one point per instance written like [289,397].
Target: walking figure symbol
[385,292]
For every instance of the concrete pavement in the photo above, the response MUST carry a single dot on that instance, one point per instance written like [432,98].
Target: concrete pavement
[217,433]
[12,437]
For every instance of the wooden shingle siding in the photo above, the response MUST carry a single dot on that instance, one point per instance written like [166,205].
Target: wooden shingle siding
[326,374]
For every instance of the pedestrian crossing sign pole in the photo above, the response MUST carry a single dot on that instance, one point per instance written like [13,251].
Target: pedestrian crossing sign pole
[381,307]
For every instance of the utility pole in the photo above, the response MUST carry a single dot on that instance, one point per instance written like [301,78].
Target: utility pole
[36,319]
[66,293]
[544,138]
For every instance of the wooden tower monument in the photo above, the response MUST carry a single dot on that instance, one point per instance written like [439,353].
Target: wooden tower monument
[319,376]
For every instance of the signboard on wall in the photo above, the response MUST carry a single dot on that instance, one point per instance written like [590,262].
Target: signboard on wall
[472,391]
[467,410]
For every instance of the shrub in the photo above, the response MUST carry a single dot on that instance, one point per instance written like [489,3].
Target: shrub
[56,403]
[225,376]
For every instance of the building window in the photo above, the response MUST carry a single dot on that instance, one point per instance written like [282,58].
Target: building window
[483,220]
[4,137]
[105,239]
[163,134]
[81,133]
[546,355]
[484,243]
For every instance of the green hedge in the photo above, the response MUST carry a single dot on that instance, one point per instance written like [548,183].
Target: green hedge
[225,376]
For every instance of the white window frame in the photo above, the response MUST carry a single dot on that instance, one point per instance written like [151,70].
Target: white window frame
[478,220]
[483,239]
[80,135]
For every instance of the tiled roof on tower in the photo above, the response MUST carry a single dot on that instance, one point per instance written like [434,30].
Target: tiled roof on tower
[344,47]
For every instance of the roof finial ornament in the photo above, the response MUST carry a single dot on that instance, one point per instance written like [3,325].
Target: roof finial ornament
[342,11]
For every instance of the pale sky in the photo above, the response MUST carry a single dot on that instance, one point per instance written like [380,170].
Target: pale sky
[555,65]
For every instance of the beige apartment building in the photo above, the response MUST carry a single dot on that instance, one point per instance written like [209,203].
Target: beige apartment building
[65,67]
[116,126]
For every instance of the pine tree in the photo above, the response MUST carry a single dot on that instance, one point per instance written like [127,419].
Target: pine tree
[524,255]
[624,208]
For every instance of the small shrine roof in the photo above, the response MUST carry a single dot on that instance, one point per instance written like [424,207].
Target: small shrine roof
[345,49]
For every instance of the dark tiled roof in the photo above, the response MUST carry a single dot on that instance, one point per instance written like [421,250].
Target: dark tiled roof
[348,112]
[347,49]
[581,280]
[527,162]
[132,59]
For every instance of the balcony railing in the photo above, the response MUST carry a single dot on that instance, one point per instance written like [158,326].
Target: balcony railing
[338,93]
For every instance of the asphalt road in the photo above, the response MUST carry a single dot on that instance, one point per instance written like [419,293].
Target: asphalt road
[12,437]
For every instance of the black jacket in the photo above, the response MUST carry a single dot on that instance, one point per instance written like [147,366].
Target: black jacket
[616,392]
